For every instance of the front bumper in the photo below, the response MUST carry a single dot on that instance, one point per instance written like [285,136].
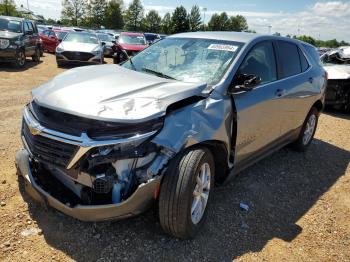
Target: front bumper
[7,55]
[63,59]
[137,203]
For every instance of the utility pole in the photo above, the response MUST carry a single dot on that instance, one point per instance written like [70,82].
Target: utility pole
[28,4]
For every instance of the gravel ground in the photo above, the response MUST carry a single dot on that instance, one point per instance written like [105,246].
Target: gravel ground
[299,203]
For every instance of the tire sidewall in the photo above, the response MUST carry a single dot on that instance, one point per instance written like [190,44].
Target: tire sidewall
[315,112]
[205,158]
[17,64]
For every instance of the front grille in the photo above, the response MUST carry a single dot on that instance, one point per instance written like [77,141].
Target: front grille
[79,56]
[48,150]
[96,129]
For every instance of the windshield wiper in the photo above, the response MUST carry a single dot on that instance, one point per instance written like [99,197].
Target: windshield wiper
[160,74]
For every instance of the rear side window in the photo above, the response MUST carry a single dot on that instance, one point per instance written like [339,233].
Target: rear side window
[303,61]
[289,59]
[261,62]
[313,54]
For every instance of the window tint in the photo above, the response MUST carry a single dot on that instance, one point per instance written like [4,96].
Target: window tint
[261,62]
[289,59]
[303,61]
[312,52]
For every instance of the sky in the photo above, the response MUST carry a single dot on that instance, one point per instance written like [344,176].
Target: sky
[320,19]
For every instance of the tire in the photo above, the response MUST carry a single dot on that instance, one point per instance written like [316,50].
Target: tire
[59,64]
[20,59]
[307,132]
[178,190]
[36,56]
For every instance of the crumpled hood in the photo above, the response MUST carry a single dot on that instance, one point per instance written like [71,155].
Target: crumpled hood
[79,47]
[9,35]
[113,93]
[338,71]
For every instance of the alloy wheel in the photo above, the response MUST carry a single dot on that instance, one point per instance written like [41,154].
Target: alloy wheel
[309,130]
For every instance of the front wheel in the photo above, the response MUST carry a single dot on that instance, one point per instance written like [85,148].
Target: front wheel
[186,192]
[307,131]
[20,59]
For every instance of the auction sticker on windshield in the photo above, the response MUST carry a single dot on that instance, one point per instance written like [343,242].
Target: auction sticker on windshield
[230,48]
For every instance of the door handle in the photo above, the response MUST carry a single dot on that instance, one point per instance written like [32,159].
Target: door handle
[280,92]
[311,80]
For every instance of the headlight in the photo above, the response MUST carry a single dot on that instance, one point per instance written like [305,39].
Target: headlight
[4,43]
[59,49]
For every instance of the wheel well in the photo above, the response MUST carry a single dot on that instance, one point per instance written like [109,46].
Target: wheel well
[219,152]
[318,105]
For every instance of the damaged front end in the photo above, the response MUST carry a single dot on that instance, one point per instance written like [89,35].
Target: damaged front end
[97,175]
[337,64]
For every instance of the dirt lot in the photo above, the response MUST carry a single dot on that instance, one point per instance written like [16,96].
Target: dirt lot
[299,203]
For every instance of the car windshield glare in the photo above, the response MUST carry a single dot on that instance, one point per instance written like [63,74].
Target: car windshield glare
[132,39]
[105,37]
[10,25]
[81,38]
[187,59]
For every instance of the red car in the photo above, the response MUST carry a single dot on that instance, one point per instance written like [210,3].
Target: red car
[131,43]
[52,38]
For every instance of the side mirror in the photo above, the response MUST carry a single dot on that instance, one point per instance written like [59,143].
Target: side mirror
[244,82]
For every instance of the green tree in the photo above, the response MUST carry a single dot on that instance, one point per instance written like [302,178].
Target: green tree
[114,16]
[152,22]
[219,22]
[134,15]
[195,19]
[307,39]
[180,20]
[238,23]
[167,24]
[73,11]
[8,7]
[96,13]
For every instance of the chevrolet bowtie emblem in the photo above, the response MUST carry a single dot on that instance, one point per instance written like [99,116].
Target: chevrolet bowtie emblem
[34,130]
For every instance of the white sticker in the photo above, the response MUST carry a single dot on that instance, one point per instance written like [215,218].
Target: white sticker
[230,48]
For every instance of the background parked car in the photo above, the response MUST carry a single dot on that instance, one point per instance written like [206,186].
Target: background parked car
[129,44]
[80,47]
[110,46]
[151,38]
[51,38]
[337,64]
[19,38]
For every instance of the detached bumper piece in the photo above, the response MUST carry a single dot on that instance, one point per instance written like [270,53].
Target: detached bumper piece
[137,203]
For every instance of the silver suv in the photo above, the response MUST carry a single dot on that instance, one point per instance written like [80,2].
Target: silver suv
[105,142]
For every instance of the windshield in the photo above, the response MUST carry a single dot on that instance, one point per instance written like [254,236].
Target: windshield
[81,38]
[10,25]
[61,35]
[132,39]
[106,37]
[186,59]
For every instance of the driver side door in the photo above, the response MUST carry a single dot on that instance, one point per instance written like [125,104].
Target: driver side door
[259,110]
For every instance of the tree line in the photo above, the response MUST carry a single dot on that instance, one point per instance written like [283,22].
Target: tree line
[113,15]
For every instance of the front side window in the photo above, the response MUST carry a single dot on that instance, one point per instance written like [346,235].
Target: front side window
[260,62]
[186,59]
[289,59]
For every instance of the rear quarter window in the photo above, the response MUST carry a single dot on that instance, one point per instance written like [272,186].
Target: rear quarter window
[289,59]
[312,54]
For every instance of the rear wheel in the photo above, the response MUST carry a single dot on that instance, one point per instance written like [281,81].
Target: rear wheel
[36,56]
[20,59]
[307,131]
[186,192]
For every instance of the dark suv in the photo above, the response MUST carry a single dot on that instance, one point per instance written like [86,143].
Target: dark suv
[19,38]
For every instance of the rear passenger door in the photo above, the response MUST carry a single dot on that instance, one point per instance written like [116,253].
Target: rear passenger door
[260,111]
[296,85]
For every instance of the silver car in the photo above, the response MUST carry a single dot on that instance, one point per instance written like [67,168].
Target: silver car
[190,111]
[80,47]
